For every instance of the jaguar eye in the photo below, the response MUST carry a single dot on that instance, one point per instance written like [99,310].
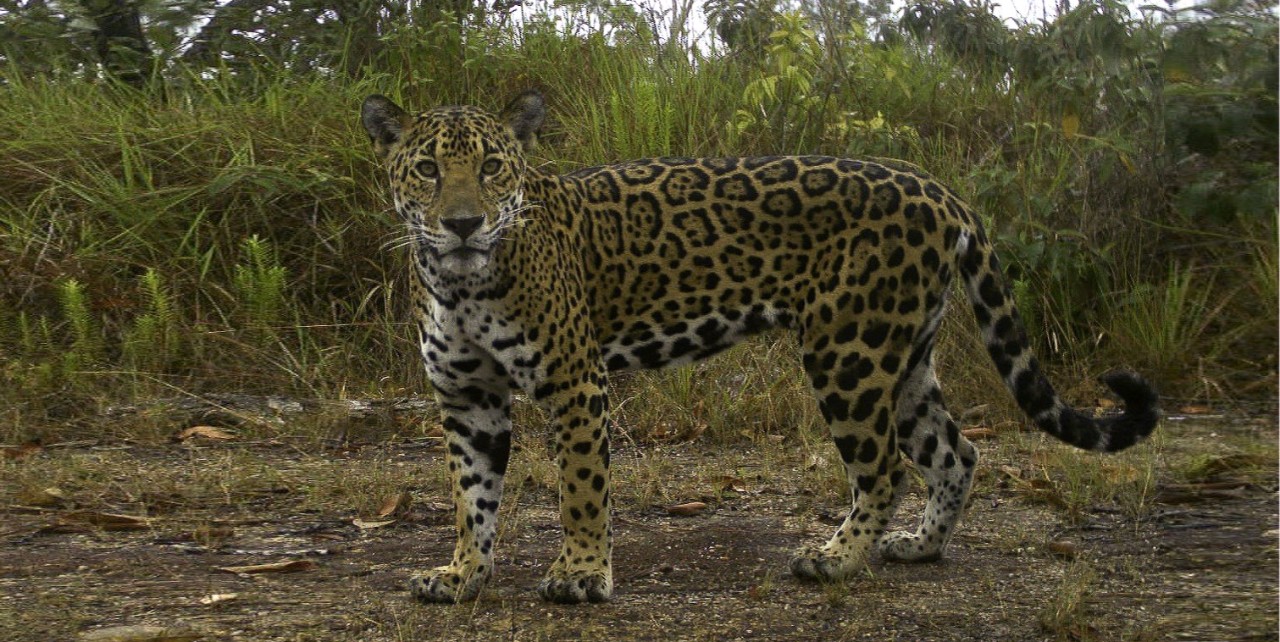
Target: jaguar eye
[427,169]
[490,167]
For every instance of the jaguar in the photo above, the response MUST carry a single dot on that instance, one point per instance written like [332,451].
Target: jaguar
[527,281]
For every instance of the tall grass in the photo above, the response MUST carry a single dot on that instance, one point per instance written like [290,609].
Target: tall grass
[231,236]
[1157,325]
[172,229]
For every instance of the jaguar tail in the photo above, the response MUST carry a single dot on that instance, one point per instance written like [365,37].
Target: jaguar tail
[1006,340]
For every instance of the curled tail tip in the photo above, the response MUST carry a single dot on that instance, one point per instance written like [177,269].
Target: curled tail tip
[1133,388]
[1141,409]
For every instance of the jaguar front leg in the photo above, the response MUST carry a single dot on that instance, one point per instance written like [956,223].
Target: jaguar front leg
[583,571]
[477,427]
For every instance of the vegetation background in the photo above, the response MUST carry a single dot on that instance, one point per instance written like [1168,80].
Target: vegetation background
[187,205]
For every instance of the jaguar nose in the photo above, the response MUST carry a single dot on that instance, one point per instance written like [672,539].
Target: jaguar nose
[463,226]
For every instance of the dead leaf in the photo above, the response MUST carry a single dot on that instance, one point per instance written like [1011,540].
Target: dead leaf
[694,431]
[1065,549]
[292,566]
[815,462]
[372,524]
[141,634]
[1191,493]
[1046,491]
[1070,124]
[1041,484]
[981,432]
[125,522]
[1011,473]
[1036,489]
[395,505]
[687,509]
[47,497]
[209,534]
[218,597]
[1120,473]
[1195,409]
[831,519]
[1230,484]
[27,449]
[204,432]
[975,413]
[735,484]
[86,520]
[163,501]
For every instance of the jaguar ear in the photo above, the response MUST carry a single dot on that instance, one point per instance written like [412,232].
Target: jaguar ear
[524,116]
[384,121]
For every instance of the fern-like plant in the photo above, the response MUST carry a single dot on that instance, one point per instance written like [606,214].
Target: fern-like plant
[86,343]
[153,341]
[260,282]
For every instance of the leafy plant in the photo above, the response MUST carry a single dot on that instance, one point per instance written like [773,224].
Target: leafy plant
[641,121]
[782,97]
[260,284]
[153,341]
[86,343]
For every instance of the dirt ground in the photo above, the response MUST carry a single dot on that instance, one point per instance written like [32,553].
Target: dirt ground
[1192,562]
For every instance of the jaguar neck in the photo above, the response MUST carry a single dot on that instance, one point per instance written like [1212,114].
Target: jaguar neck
[448,289]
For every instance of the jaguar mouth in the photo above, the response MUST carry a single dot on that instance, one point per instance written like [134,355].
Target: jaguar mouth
[464,253]
[462,259]
[458,252]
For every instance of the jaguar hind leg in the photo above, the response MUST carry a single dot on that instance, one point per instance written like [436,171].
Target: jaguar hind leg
[930,438]
[854,381]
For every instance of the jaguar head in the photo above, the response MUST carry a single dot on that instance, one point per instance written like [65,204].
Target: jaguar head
[456,174]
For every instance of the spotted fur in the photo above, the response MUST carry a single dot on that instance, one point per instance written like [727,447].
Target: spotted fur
[529,281]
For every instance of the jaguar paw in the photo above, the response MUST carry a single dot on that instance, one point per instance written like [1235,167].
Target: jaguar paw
[819,565]
[576,587]
[901,546]
[446,585]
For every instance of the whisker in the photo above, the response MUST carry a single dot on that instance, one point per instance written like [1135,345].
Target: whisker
[410,236]
[514,219]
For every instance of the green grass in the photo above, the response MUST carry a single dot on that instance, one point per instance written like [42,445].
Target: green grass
[1157,325]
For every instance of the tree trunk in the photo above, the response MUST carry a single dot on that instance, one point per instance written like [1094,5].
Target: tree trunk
[208,45]
[119,41]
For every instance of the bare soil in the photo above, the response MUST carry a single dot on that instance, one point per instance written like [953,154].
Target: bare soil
[1202,566]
